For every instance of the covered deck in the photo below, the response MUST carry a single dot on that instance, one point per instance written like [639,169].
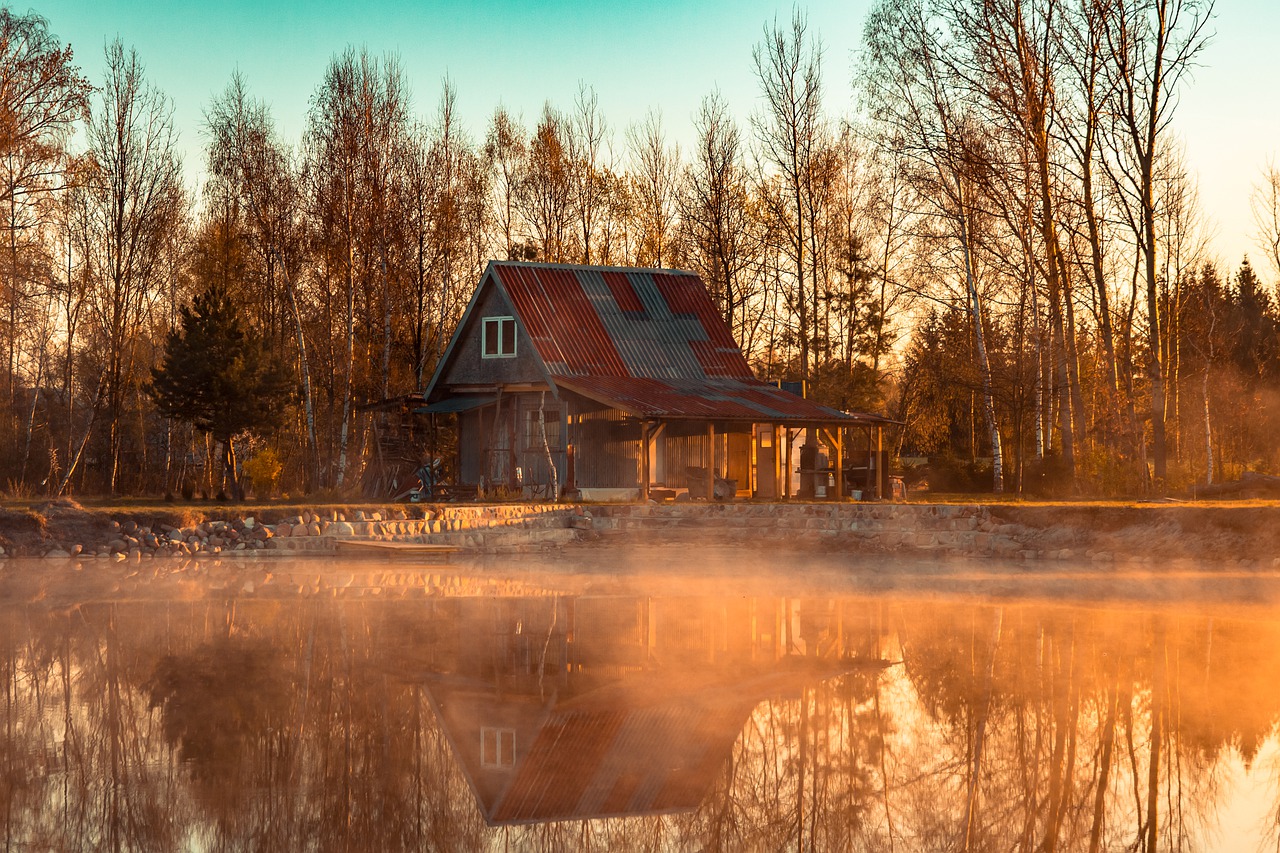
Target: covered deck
[766,459]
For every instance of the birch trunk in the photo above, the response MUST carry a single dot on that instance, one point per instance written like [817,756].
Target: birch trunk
[74,461]
[304,368]
[546,447]
[1208,430]
[345,433]
[980,344]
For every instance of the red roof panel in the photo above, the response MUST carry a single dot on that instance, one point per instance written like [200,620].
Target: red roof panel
[623,293]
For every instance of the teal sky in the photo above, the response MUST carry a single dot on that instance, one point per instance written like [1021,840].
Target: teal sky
[637,55]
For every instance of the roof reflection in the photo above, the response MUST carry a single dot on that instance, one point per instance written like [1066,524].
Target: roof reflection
[587,707]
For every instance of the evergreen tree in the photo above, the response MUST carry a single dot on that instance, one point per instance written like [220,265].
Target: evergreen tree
[217,375]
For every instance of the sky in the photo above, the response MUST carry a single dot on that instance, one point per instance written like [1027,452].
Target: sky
[636,55]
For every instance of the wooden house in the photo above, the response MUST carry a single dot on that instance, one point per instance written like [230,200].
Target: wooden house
[615,381]
[584,707]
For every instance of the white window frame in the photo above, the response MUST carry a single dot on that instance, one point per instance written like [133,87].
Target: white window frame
[497,325]
[505,758]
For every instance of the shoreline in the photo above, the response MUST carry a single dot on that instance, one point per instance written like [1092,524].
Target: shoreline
[1164,536]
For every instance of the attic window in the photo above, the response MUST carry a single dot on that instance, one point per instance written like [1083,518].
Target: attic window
[499,337]
[497,747]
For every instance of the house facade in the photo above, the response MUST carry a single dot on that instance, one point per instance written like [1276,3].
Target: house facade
[615,382]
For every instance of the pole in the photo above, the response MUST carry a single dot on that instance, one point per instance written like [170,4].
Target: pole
[711,460]
[644,461]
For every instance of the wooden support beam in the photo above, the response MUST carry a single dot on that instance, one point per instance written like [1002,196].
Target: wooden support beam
[786,469]
[644,461]
[839,463]
[880,475]
[711,461]
[830,438]
[777,461]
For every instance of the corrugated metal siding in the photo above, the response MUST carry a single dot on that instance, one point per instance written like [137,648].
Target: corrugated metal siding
[532,454]
[613,449]
[683,452]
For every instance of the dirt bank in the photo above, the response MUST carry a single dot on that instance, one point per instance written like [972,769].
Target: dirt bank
[1149,534]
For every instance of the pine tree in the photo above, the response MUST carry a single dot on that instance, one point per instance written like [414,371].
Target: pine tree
[217,375]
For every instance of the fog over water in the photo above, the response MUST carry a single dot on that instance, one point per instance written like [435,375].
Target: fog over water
[658,700]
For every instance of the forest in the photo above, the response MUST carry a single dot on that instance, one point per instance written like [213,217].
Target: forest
[1001,247]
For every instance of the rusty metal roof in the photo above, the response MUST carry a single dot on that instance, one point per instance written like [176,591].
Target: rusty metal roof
[589,764]
[647,341]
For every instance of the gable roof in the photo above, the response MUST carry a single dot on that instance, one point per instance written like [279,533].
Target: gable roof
[652,743]
[647,341]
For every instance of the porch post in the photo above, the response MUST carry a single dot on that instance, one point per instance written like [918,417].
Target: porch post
[786,469]
[644,461]
[839,436]
[777,462]
[881,475]
[872,474]
[711,460]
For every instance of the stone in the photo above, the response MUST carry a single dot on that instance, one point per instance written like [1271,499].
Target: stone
[57,554]
[341,528]
[284,529]
[250,523]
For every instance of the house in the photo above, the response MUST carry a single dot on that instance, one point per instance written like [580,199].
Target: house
[615,381]
[594,706]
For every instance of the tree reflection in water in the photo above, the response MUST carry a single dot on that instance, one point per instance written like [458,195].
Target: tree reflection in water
[634,722]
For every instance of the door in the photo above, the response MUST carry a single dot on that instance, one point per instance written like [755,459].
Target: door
[766,462]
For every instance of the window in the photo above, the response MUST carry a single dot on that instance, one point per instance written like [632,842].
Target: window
[499,337]
[497,748]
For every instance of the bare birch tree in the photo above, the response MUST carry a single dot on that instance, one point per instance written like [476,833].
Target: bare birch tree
[545,192]
[655,171]
[722,235]
[788,66]
[135,194]
[1265,203]
[920,114]
[1150,49]
[504,153]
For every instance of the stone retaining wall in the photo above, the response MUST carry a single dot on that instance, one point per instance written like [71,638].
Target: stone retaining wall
[1174,536]
[1100,533]
[945,529]
[488,528]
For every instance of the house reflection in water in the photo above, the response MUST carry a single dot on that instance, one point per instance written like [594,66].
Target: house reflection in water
[587,707]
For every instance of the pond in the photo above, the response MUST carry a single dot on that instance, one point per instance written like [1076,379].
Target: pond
[657,700]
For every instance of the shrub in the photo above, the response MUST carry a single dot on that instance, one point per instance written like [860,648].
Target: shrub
[263,471]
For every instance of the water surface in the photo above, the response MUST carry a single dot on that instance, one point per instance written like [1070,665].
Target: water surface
[661,700]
